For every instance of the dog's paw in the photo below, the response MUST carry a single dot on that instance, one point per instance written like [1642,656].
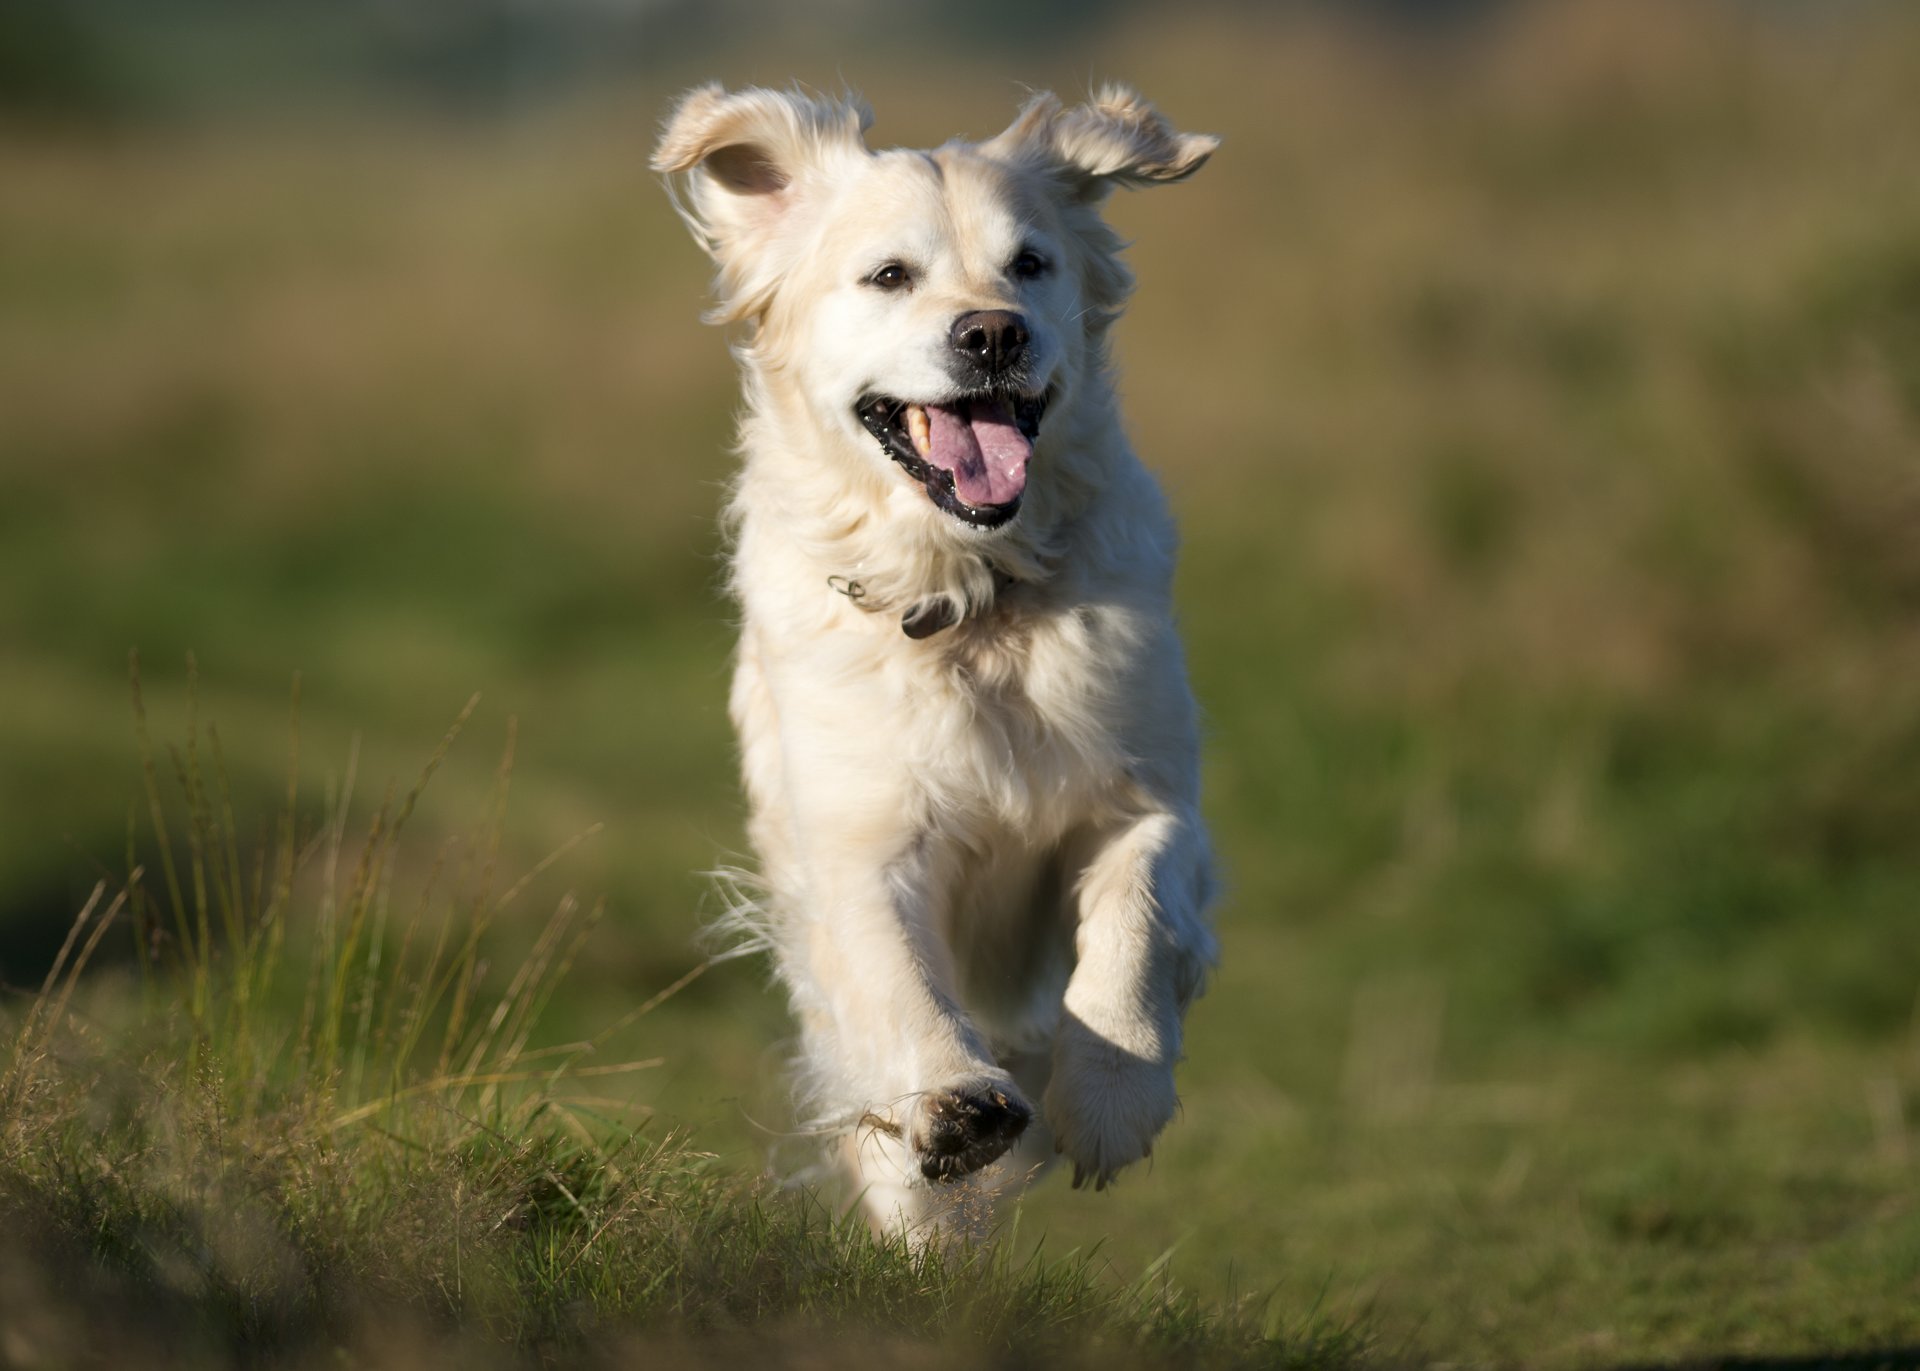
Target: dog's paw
[962,1129]
[1104,1105]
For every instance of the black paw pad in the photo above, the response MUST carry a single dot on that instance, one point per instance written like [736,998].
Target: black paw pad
[967,1129]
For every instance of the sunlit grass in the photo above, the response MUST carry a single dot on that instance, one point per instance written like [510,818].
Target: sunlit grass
[311,1112]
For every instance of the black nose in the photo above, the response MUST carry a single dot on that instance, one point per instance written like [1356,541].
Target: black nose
[993,340]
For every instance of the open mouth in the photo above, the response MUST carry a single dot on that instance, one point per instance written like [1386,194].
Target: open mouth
[971,453]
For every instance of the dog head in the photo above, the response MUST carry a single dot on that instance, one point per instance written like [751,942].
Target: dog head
[934,309]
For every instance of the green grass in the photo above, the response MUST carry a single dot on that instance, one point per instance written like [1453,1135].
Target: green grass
[1543,418]
[191,1174]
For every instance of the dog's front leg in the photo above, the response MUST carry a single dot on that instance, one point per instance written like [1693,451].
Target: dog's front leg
[1142,950]
[892,1050]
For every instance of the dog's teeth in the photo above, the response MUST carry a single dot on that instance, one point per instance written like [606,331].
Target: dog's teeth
[918,431]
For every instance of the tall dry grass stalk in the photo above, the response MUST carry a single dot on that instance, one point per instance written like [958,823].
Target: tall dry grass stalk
[379,987]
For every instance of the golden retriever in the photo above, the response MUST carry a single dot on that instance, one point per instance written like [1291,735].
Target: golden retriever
[967,738]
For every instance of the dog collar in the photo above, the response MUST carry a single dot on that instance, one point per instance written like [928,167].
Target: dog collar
[922,618]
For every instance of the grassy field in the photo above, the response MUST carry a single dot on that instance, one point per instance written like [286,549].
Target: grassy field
[316,1127]
[1543,413]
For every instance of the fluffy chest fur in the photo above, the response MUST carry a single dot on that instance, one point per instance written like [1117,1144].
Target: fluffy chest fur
[1021,716]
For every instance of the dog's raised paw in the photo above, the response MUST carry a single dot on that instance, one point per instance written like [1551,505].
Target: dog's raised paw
[1104,1105]
[964,1129]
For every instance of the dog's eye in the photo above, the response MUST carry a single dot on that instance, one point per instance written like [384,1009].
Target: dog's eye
[1027,266]
[890,277]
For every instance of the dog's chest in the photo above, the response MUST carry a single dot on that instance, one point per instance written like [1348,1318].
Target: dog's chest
[1027,725]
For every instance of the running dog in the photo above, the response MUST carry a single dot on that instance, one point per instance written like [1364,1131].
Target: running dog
[966,734]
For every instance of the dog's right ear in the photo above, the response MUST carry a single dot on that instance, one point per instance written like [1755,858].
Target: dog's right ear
[1115,139]
[737,163]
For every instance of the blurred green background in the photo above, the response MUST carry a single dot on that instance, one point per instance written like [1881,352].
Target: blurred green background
[1538,387]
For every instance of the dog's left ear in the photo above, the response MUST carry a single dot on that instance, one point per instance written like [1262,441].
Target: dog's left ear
[1116,139]
[738,163]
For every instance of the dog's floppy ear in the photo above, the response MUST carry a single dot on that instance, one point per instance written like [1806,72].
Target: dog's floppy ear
[737,162]
[1116,139]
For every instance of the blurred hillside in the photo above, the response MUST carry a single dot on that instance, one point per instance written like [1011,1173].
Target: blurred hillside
[144,59]
[1541,400]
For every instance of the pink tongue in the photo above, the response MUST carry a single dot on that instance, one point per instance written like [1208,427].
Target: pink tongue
[986,453]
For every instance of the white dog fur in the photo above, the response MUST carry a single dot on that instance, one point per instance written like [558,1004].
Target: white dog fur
[984,868]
